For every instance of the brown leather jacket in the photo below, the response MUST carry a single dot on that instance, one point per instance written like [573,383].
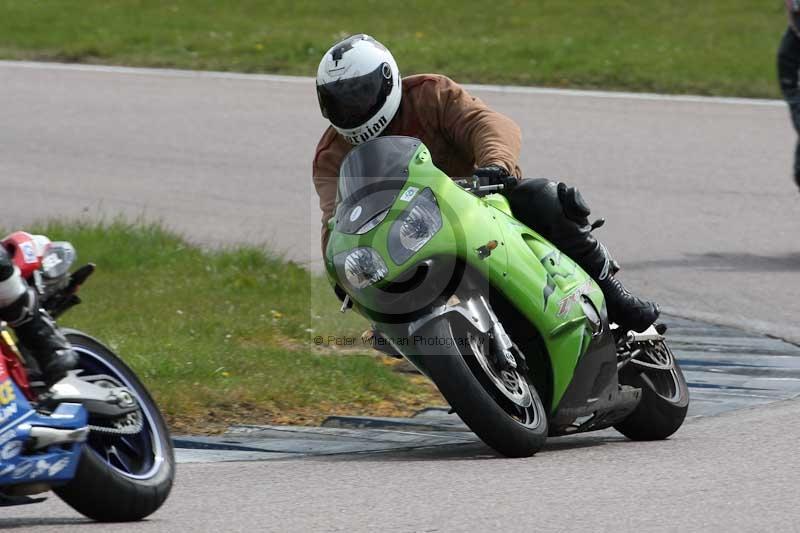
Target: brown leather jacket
[460,131]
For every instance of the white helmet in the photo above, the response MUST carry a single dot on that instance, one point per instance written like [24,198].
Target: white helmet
[358,86]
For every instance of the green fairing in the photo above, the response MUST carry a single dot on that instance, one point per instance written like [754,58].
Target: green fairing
[520,267]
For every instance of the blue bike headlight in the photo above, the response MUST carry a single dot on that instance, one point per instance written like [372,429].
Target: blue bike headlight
[415,227]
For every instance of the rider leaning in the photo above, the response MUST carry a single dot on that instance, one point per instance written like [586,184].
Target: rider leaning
[35,330]
[360,92]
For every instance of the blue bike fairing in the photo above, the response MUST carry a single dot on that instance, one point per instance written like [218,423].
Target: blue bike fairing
[53,465]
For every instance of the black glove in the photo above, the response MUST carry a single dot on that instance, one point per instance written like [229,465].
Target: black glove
[495,175]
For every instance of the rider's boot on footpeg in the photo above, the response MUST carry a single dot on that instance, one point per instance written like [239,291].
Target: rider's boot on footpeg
[561,215]
[625,309]
[37,332]
[628,311]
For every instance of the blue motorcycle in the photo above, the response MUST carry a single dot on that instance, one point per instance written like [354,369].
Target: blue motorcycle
[96,438]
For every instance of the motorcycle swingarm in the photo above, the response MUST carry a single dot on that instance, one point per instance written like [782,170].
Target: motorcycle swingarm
[100,401]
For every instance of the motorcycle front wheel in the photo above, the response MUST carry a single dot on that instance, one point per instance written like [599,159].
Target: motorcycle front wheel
[502,407]
[126,471]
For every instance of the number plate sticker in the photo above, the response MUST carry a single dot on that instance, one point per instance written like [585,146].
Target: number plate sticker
[409,194]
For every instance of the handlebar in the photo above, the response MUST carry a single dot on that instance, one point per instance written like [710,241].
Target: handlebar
[481,186]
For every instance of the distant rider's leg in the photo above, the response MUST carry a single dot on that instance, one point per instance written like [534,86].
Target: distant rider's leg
[35,330]
[560,214]
[788,68]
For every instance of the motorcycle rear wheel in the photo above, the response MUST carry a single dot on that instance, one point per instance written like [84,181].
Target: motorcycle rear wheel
[120,478]
[503,410]
[665,394]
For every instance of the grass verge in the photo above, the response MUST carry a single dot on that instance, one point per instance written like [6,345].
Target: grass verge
[224,336]
[719,47]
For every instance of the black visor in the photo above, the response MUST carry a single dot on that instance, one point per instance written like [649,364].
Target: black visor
[351,102]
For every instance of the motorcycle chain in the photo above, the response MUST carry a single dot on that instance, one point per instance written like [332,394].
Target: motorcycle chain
[126,430]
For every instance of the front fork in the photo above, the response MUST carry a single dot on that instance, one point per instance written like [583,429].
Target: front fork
[504,353]
[479,313]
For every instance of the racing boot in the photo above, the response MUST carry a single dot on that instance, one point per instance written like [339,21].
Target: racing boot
[626,310]
[629,312]
[38,334]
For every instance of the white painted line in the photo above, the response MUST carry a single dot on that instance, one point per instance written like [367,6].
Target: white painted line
[513,89]
[164,72]
[508,89]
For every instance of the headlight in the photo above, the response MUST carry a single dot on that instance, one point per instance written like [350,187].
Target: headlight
[364,267]
[57,260]
[415,227]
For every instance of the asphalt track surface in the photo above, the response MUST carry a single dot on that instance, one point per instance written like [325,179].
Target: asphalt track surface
[733,472]
[701,213]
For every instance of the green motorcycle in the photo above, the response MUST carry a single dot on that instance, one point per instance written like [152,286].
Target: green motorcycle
[513,333]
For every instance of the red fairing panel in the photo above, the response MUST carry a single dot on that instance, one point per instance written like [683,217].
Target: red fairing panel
[3,371]
[10,366]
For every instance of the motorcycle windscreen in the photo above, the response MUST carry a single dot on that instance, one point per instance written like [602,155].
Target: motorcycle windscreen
[370,178]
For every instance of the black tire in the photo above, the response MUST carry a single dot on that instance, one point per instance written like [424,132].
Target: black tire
[101,491]
[475,399]
[660,412]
